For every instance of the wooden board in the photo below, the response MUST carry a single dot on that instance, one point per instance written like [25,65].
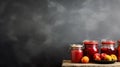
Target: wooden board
[67,63]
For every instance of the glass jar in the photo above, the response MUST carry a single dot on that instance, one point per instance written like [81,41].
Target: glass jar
[76,53]
[90,48]
[108,47]
[118,51]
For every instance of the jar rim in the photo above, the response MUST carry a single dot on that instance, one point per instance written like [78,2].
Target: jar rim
[76,45]
[90,42]
[108,42]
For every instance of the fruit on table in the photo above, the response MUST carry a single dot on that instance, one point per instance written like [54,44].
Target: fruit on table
[102,56]
[97,57]
[96,54]
[108,58]
[85,59]
[114,57]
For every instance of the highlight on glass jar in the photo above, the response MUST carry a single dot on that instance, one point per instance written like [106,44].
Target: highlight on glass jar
[108,47]
[76,53]
[90,48]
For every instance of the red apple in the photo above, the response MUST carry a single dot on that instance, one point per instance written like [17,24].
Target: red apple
[96,54]
[97,57]
[102,55]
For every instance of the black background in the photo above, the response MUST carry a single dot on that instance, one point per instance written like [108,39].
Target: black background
[38,33]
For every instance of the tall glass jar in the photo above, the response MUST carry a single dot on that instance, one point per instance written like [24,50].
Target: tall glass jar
[108,47]
[90,48]
[76,53]
[118,51]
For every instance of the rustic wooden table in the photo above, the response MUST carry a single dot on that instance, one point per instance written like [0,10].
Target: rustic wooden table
[67,63]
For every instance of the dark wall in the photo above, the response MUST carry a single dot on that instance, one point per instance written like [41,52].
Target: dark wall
[38,33]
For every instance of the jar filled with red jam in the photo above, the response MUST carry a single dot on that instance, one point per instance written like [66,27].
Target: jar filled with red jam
[76,53]
[118,50]
[108,47]
[90,48]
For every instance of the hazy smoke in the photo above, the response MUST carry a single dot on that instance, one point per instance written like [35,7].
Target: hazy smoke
[34,26]
[94,20]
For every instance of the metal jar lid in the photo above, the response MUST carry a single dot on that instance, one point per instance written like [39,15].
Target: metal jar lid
[76,45]
[108,42]
[90,42]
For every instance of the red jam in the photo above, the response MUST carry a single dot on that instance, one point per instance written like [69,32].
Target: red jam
[108,47]
[118,51]
[76,53]
[90,48]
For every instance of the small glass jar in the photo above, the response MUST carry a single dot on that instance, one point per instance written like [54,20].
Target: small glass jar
[118,50]
[91,47]
[76,53]
[108,47]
